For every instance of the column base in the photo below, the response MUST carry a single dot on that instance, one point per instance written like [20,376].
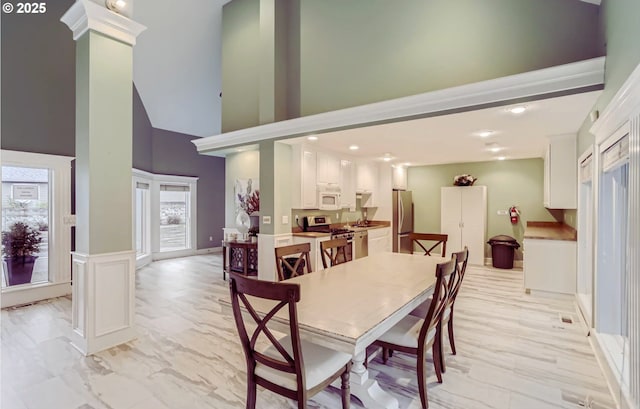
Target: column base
[103,300]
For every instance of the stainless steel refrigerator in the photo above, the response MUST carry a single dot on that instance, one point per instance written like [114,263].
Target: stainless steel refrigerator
[402,221]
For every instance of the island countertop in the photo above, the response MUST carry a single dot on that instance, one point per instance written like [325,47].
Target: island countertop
[550,231]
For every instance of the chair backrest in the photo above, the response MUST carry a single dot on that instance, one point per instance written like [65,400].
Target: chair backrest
[418,238]
[335,251]
[456,280]
[441,293]
[288,294]
[292,261]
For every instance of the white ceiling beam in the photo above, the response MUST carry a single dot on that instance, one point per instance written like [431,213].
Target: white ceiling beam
[541,82]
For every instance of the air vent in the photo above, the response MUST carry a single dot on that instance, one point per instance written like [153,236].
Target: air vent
[566,319]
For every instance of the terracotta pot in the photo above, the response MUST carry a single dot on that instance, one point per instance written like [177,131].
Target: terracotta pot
[20,269]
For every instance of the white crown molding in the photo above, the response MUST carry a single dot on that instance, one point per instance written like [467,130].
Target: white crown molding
[549,80]
[624,105]
[86,15]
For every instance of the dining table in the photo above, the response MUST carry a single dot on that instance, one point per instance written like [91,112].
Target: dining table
[348,306]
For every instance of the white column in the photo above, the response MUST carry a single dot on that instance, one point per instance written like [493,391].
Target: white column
[103,300]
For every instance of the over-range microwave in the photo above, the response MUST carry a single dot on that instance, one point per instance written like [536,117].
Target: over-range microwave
[328,196]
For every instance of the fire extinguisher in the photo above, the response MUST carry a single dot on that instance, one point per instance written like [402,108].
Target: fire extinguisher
[514,213]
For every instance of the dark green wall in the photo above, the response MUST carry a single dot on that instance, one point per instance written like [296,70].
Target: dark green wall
[361,51]
[240,64]
[509,183]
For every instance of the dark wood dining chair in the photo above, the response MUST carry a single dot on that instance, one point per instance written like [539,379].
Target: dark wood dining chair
[335,251]
[414,335]
[288,366]
[456,282]
[420,238]
[293,260]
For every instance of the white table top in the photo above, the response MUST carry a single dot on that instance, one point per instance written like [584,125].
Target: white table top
[348,306]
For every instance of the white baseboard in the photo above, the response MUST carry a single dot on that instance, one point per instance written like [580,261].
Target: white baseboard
[173,254]
[613,382]
[209,250]
[488,261]
[27,295]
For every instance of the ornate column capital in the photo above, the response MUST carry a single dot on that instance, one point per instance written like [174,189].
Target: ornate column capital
[86,15]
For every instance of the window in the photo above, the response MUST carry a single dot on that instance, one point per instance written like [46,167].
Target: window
[164,216]
[25,225]
[36,207]
[613,250]
[174,217]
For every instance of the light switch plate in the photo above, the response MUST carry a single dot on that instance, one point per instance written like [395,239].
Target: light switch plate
[266,219]
[285,219]
[502,212]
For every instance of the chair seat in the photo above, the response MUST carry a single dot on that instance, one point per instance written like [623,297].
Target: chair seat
[421,311]
[319,364]
[406,332]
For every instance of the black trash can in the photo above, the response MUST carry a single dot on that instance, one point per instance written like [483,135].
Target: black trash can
[502,249]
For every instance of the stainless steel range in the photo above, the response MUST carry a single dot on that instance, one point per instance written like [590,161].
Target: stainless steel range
[322,224]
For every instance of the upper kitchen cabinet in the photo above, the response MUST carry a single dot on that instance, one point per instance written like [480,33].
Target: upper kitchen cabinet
[328,168]
[399,181]
[304,178]
[367,182]
[560,173]
[348,184]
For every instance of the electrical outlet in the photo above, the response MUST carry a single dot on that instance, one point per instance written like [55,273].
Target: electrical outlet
[266,219]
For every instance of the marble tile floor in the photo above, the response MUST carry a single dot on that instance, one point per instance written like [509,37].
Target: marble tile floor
[513,352]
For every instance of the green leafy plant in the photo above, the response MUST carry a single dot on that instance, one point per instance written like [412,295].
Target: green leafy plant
[21,240]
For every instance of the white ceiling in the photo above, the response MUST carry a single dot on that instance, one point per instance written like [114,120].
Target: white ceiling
[176,64]
[453,139]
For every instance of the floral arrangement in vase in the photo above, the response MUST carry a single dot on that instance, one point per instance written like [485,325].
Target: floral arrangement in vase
[464,180]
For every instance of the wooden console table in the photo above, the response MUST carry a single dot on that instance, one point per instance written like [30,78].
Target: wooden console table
[242,257]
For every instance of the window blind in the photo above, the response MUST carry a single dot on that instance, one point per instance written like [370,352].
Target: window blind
[616,155]
[586,169]
[174,188]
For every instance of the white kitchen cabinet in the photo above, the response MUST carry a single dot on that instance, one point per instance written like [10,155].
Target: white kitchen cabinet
[399,181]
[379,240]
[304,181]
[315,255]
[463,217]
[348,184]
[328,168]
[550,265]
[367,183]
[560,173]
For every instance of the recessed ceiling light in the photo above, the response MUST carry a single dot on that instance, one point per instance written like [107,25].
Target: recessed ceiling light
[501,158]
[312,138]
[517,109]
[354,147]
[484,134]
[407,164]
[240,150]
[495,149]
[386,159]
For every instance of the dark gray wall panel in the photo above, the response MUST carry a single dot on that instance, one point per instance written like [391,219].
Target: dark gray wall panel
[38,82]
[174,154]
[142,134]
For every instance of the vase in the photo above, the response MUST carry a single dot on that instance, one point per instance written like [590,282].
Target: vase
[243,222]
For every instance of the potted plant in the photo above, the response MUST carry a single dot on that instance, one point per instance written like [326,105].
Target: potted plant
[19,244]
